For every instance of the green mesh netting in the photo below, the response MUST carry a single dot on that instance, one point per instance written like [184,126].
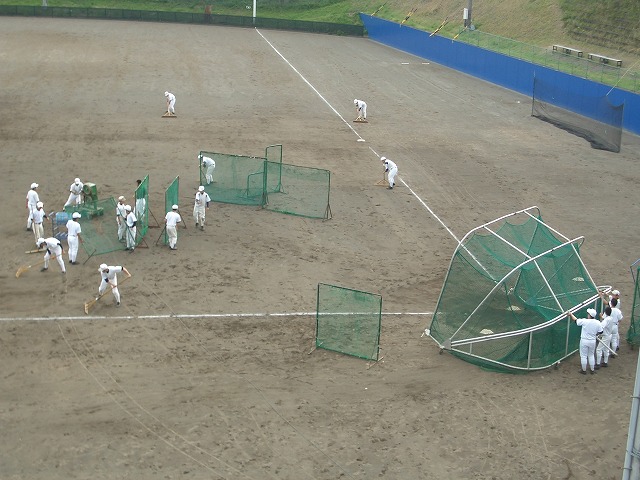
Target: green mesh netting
[99,227]
[633,333]
[348,321]
[504,284]
[237,179]
[141,209]
[171,198]
[303,191]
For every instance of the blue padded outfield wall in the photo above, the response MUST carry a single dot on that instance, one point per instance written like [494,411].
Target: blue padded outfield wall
[508,72]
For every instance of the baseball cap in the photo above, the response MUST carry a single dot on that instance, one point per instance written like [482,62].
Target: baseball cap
[121,198]
[166,94]
[615,292]
[201,188]
[382,159]
[355,100]
[76,215]
[77,181]
[40,241]
[39,205]
[592,312]
[103,267]
[34,185]
[175,207]
[127,208]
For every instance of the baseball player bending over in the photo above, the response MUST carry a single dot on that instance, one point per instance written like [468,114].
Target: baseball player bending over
[109,279]
[210,165]
[171,102]
[199,208]
[54,247]
[391,169]
[75,193]
[361,109]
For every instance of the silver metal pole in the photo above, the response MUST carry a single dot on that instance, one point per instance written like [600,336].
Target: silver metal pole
[254,11]
[631,469]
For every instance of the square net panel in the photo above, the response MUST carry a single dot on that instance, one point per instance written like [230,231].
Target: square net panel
[348,321]
[171,198]
[592,118]
[237,179]
[142,209]
[99,227]
[304,191]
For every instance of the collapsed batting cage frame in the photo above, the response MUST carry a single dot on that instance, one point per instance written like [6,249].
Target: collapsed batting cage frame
[506,297]
[269,183]
[598,121]
[348,321]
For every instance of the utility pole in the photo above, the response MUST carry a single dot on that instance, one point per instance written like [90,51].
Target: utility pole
[467,14]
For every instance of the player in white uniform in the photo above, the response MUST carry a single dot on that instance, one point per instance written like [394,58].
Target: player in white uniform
[121,216]
[171,220]
[37,217]
[32,201]
[200,206]
[171,102]
[590,329]
[602,352]
[54,247]
[391,169]
[361,109]
[75,193]
[132,231]
[210,165]
[616,316]
[73,237]
[109,279]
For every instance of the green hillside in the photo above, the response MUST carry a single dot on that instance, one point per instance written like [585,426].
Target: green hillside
[602,26]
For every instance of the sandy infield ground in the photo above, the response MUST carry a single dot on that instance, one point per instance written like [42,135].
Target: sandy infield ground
[136,392]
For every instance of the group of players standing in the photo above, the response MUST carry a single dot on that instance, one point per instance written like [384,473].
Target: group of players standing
[600,339]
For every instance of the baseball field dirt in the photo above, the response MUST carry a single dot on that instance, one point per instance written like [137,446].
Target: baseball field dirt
[205,370]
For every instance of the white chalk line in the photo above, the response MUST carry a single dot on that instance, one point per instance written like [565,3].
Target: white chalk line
[422,202]
[190,315]
[311,86]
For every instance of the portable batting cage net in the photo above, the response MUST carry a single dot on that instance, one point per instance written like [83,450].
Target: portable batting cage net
[141,209]
[237,179]
[171,198]
[304,191]
[598,122]
[509,287]
[99,228]
[269,183]
[633,333]
[348,321]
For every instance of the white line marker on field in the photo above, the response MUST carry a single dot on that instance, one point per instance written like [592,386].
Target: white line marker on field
[190,315]
[309,83]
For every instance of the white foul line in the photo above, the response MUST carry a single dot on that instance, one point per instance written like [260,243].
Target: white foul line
[308,83]
[189,315]
[422,202]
